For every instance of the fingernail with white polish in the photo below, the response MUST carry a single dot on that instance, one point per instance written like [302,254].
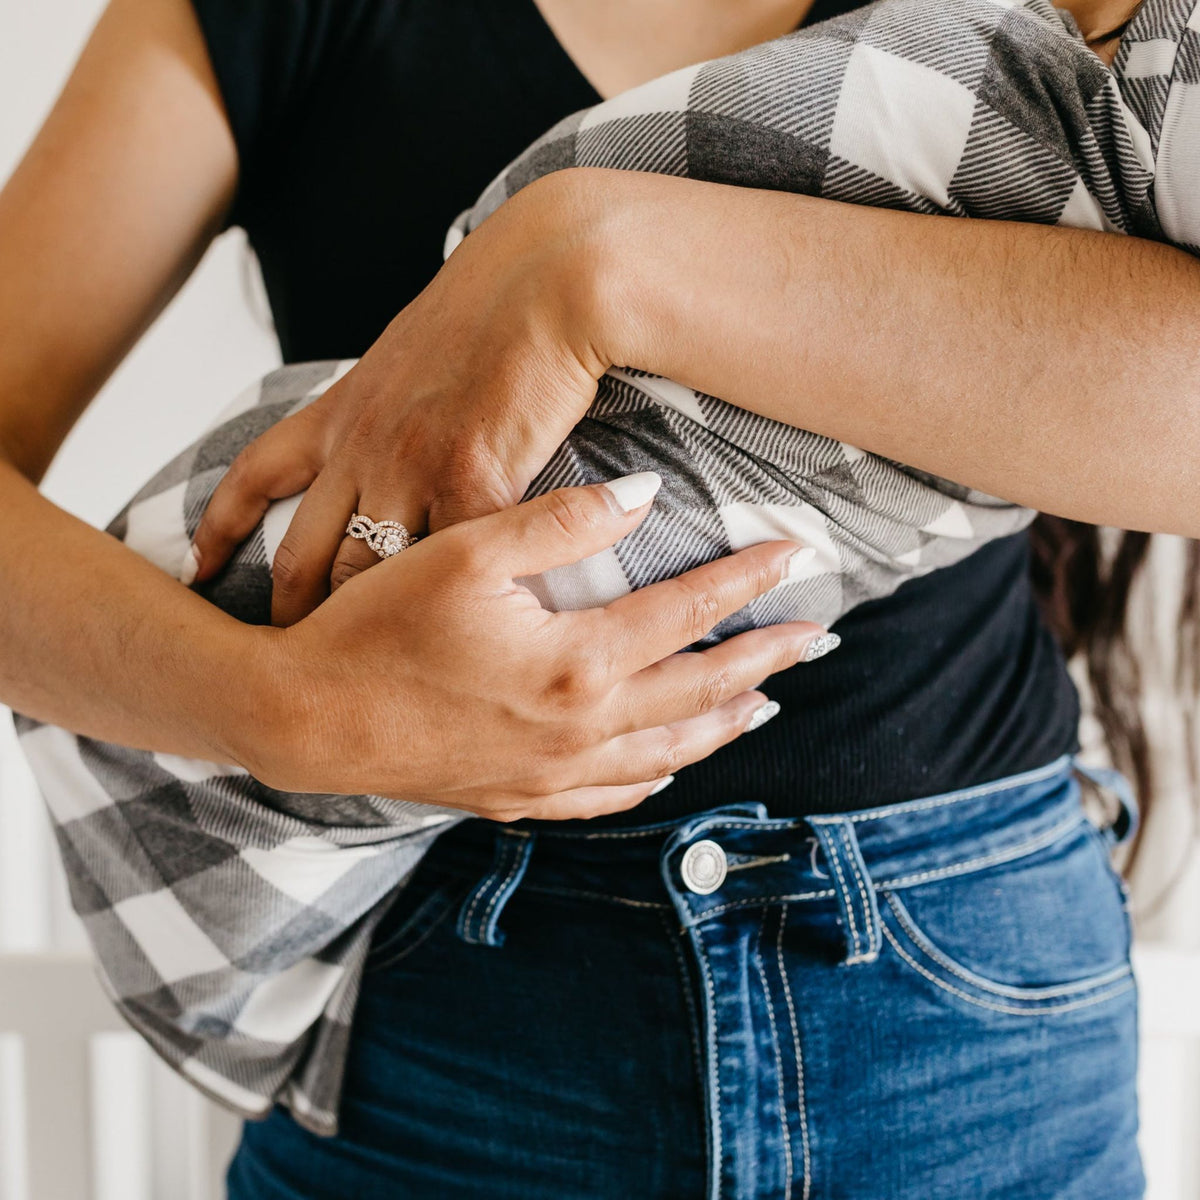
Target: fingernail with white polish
[660,786]
[763,715]
[797,563]
[821,645]
[191,566]
[632,491]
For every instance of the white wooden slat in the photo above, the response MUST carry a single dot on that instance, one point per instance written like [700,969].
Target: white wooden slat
[120,1105]
[54,1003]
[14,1168]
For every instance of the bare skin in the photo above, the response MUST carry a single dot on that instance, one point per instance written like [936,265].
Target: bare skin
[118,199]
[107,215]
[818,314]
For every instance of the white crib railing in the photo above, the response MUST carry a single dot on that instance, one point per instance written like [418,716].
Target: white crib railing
[86,1111]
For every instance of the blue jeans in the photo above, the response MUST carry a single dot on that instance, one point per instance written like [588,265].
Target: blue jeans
[929,1000]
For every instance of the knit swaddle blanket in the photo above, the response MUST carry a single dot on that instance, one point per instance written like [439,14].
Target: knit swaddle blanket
[231,920]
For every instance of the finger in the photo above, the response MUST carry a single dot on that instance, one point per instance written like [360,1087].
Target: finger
[563,526]
[304,558]
[656,753]
[353,554]
[353,557]
[280,462]
[587,802]
[658,620]
[693,682]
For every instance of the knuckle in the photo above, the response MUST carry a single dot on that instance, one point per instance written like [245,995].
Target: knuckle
[287,570]
[469,480]
[568,740]
[668,755]
[364,427]
[342,572]
[715,688]
[468,462]
[566,512]
[578,685]
[240,475]
[701,609]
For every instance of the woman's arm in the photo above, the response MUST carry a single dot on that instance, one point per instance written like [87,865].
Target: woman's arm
[1057,368]
[108,213]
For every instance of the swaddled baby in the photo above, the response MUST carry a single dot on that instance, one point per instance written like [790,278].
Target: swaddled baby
[231,920]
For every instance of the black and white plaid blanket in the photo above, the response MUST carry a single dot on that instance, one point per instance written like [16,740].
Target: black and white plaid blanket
[231,920]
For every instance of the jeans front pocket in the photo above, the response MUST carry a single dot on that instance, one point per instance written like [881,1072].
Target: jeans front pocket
[1047,933]
[422,904]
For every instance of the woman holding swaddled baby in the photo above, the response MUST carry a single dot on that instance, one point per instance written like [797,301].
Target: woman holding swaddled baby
[871,949]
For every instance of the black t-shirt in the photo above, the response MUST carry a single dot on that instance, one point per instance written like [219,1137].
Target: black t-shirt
[363,128]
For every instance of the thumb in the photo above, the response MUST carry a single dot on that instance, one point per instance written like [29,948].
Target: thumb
[565,525]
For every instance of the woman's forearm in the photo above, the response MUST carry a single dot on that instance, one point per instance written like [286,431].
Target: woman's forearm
[95,638]
[1056,368]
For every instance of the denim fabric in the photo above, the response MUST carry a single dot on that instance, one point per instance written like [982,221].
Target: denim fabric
[927,1000]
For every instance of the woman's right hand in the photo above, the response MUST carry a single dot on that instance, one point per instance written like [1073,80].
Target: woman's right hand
[436,676]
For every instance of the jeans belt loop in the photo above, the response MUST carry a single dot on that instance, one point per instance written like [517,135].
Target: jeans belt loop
[481,909]
[854,886]
[1125,823]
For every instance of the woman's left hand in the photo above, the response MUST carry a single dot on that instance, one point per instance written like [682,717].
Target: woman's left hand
[448,416]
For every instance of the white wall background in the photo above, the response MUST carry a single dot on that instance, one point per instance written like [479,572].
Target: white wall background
[212,341]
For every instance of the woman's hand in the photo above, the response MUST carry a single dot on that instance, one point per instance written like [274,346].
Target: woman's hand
[448,416]
[435,676]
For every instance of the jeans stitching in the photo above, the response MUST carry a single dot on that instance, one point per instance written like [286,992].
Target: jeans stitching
[370,967]
[1020,850]
[1030,1010]
[686,983]
[520,855]
[869,953]
[565,891]
[1010,853]
[616,833]
[482,889]
[846,899]
[821,895]
[905,806]
[986,985]
[803,1103]
[770,1006]
[714,1073]
[984,789]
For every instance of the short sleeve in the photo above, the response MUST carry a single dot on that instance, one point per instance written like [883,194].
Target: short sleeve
[268,56]
[1177,168]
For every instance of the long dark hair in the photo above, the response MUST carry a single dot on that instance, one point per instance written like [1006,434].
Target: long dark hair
[1083,576]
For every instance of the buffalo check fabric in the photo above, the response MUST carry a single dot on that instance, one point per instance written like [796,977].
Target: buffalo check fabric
[231,921]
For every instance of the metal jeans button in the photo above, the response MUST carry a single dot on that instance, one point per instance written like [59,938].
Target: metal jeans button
[703,867]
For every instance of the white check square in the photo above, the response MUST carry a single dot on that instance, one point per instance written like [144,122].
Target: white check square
[902,121]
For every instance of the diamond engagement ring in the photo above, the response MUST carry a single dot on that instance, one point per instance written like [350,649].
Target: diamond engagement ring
[384,537]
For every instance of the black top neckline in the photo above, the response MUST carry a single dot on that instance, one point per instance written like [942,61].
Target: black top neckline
[553,55]
[557,58]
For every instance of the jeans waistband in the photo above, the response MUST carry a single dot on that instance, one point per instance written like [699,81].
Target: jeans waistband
[735,855]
